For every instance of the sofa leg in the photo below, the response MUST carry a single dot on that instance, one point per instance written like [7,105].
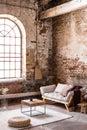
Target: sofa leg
[67,107]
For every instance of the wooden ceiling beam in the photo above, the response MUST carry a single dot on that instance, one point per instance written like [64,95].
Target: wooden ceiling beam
[63,9]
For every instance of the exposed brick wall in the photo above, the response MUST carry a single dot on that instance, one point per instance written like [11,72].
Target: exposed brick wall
[14,87]
[70,47]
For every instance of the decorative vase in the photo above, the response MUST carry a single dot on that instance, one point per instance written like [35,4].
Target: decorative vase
[31,99]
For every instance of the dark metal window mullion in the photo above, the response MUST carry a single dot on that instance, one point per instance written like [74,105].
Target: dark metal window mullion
[4,49]
[9,57]
[21,58]
[4,57]
[15,56]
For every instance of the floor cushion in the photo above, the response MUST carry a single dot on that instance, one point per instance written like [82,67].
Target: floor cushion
[19,121]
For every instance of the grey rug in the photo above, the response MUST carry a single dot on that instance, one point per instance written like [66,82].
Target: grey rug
[36,120]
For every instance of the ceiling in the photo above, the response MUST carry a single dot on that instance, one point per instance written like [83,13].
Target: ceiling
[46,4]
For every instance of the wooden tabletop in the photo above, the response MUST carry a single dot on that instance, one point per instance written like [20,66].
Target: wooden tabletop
[34,102]
[82,104]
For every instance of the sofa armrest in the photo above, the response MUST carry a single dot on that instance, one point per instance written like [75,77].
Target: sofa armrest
[83,93]
[69,95]
[83,90]
[47,89]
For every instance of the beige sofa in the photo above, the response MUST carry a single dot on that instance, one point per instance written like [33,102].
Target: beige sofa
[59,93]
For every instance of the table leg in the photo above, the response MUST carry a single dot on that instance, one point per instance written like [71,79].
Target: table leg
[83,109]
[4,104]
[21,107]
[45,109]
[30,111]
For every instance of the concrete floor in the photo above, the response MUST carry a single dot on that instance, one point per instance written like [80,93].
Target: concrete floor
[77,122]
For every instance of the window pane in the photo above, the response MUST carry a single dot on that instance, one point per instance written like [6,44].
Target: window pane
[1,65]
[1,40]
[1,49]
[1,55]
[6,55]
[1,74]
[18,73]
[2,28]
[12,65]
[1,34]
[17,31]
[1,59]
[6,65]
[12,59]
[7,40]
[6,73]
[6,49]
[18,55]
[9,22]
[1,21]
[12,42]
[18,59]
[12,33]
[7,59]
[12,55]
[17,49]
[18,41]
[7,28]
[12,73]
[17,65]
[12,49]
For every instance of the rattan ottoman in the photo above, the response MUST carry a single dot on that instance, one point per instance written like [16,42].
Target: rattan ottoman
[19,121]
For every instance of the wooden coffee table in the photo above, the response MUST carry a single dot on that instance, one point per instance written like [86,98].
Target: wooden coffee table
[33,104]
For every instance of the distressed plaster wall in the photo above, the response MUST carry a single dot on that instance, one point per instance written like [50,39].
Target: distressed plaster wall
[70,47]
[26,13]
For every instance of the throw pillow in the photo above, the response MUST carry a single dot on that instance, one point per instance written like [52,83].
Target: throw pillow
[60,87]
[66,89]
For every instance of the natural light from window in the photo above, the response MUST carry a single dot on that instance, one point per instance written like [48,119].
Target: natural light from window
[10,50]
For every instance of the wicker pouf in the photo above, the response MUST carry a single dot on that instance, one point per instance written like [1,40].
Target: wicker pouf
[19,121]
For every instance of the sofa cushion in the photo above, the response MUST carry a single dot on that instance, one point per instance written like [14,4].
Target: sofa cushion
[66,89]
[58,96]
[47,89]
[60,87]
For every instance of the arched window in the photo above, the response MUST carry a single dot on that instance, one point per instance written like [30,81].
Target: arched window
[11,50]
